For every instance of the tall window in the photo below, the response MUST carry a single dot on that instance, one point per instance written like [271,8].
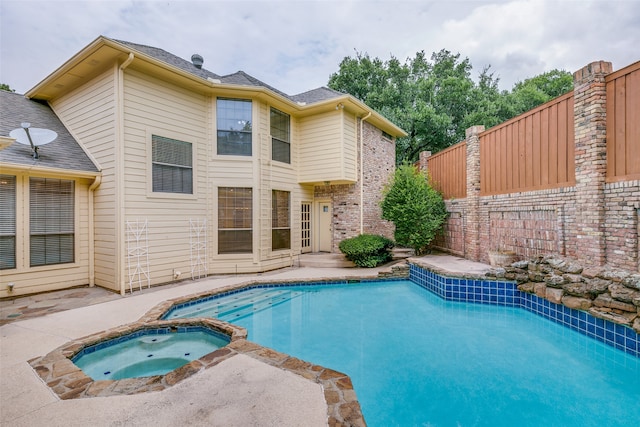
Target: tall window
[235,219]
[172,165]
[234,126]
[8,222]
[51,218]
[280,220]
[280,136]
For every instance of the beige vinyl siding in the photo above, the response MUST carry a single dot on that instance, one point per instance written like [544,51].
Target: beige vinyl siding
[89,114]
[327,150]
[263,175]
[154,107]
[350,147]
[30,280]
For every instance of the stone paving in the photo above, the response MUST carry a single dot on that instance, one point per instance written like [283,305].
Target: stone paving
[28,307]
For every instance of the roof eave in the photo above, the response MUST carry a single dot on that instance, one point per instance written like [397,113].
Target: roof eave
[44,170]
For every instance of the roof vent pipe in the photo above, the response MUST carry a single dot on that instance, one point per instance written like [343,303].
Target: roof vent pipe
[197,60]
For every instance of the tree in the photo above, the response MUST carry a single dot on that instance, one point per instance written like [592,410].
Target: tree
[537,90]
[429,98]
[435,99]
[414,206]
[4,86]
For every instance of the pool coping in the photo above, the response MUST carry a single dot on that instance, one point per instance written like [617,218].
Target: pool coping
[68,381]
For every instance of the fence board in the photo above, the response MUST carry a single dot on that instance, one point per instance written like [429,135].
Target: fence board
[623,128]
[533,151]
[448,171]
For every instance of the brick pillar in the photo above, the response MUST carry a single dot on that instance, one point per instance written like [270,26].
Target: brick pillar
[472,217]
[423,162]
[590,119]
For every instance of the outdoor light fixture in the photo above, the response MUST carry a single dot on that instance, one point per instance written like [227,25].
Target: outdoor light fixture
[34,137]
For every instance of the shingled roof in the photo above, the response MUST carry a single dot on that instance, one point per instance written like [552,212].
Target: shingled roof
[63,153]
[237,78]
[316,95]
[171,59]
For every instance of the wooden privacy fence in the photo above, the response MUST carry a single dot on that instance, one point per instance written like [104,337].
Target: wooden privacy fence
[623,124]
[448,171]
[536,150]
[533,151]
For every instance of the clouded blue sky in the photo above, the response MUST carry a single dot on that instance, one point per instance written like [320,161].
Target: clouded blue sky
[296,45]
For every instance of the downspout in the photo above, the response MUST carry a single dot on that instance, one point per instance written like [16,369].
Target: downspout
[119,173]
[362,171]
[92,232]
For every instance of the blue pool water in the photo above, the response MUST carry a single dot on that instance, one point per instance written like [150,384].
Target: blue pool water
[147,353]
[418,360]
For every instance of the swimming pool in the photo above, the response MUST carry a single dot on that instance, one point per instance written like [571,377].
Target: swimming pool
[416,359]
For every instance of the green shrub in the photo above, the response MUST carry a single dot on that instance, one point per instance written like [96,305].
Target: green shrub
[367,250]
[415,207]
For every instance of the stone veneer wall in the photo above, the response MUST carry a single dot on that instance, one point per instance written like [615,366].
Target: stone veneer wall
[605,293]
[594,221]
[378,166]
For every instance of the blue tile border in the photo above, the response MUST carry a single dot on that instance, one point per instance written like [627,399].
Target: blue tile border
[506,293]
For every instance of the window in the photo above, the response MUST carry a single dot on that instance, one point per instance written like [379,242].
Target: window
[280,223]
[280,136]
[172,165]
[234,127]
[51,219]
[235,219]
[8,223]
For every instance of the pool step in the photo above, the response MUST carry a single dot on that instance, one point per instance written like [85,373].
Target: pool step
[240,312]
[242,303]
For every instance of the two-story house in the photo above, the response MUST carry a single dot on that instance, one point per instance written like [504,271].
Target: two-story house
[163,170]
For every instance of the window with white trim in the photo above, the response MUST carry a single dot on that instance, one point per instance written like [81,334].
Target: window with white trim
[233,118]
[8,222]
[280,136]
[51,221]
[172,164]
[235,220]
[280,220]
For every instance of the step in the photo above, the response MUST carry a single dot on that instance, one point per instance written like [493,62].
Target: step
[402,253]
[325,260]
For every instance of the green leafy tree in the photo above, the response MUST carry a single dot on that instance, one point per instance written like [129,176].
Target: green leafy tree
[414,206]
[534,91]
[4,86]
[428,98]
[435,99]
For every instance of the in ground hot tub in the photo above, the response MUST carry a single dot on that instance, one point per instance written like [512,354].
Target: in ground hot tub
[148,352]
[138,357]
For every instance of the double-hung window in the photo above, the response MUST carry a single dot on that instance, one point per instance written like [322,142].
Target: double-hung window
[172,164]
[280,220]
[280,136]
[51,221]
[234,126]
[235,220]
[8,222]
